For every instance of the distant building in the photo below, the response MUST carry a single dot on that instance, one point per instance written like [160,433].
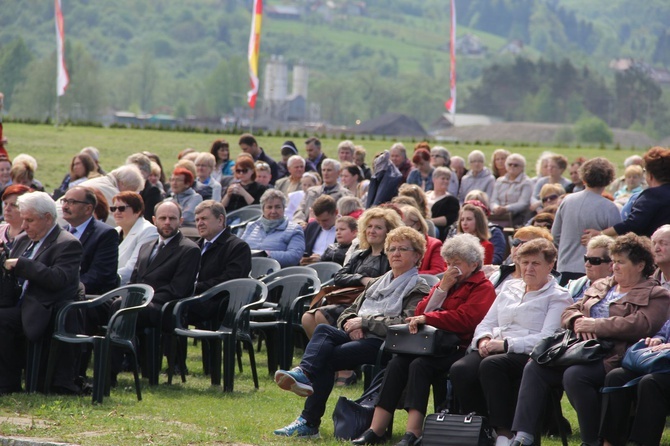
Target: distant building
[512,47]
[470,45]
[659,75]
[390,124]
[277,103]
[286,12]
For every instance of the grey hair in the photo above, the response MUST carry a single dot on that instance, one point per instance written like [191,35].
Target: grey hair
[443,152]
[346,145]
[348,204]
[538,164]
[457,158]
[142,162]
[293,158]
[602,241]
[442,172]
[206,158]
[92,152]
[332,163]
[661,229]
[38,202]
[217,208]
[633,159]
[271,194]
[518,158]
[476,154]
[399,146]
[464,246]
[128,178]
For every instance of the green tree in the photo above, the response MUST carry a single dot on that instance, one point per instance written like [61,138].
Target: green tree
[593,130]
[14,58]
[36,96]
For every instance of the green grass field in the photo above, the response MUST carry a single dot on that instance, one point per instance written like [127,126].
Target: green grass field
[191,413]
[54,147]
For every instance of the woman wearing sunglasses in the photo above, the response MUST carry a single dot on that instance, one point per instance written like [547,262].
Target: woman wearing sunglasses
[244,190]
[580,211]
[134,230]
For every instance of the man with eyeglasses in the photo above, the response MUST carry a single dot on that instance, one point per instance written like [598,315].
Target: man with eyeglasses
[660,241]
[580,211]
[330,170]
[249,145]
[99,241]
[598,265]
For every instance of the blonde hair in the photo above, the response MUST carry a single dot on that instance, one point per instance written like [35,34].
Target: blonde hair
[390,217]
[402,233]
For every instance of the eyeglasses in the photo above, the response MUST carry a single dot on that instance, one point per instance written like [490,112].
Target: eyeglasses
[118,208]
[70,201]
[595,261]
[400,249]
[550,198]
[518,242]
[241,171]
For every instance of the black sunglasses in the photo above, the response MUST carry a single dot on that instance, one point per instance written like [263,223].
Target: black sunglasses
[241,170]
[549,198]
[517,242]
[118,208]
[595,261]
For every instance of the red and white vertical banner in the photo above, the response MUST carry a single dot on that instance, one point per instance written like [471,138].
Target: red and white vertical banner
[63,79]
[451,103]
[254,51]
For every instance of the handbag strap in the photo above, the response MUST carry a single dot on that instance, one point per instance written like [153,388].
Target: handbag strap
[632,383]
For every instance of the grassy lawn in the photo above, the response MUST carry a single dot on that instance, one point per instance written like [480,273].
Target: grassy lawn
[190,413]
[54,147]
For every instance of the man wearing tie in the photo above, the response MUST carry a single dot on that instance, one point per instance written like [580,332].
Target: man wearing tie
[46,260]
[224,255]
[99,240]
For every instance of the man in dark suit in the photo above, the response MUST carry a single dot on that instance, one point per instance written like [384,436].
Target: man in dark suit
[224,255]
[46,260]
[321,232]
[169,265]
[99,240]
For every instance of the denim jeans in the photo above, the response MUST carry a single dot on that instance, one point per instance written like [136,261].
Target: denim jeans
[330,350]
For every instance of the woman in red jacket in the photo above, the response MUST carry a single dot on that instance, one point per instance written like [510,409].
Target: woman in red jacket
[457,304]
[432,262]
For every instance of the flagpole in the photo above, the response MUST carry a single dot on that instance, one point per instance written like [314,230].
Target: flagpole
[57,109]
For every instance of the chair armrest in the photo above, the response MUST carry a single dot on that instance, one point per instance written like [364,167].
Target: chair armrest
[298,307]
[80,304]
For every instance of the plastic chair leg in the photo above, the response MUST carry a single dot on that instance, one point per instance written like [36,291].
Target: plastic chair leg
[215,361]
[136,375]
[252,361]
[33,360]
[229,351]
[51,365]
[238,351]
[100,370]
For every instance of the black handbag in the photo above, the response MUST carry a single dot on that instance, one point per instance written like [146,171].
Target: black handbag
[446,429]
[564,348]
[353,417]
[428,341]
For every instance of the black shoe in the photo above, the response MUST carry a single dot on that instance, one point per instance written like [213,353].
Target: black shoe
[409,439]
[517,443]
[369,437]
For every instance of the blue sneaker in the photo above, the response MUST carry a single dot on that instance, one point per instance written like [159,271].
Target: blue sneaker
[299,429]
[294,380]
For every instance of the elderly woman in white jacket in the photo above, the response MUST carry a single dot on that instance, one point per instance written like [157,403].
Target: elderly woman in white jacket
[527,309]
[134,231]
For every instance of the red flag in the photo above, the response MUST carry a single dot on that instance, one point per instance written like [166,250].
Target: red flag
[451,103]
[63,78]
[254,50]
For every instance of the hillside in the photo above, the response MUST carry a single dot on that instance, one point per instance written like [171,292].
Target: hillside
[365,58]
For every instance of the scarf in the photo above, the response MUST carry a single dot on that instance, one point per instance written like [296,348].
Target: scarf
[270,225]
[385,296]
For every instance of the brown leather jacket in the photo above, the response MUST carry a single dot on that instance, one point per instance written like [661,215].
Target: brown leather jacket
[640,313]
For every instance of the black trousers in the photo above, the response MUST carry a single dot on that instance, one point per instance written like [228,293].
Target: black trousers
[582,385]
[416,373]
[488,385]
[653,402]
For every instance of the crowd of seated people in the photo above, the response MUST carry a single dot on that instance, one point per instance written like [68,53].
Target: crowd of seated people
[583,260]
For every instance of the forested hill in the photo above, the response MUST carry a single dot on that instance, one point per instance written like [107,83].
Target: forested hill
[366,57]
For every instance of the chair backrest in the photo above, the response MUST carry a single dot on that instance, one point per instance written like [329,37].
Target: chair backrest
[242,293]
[431,279]
[244,215]
[325,270]
[263,266]
[289,270]
[121,326]
[290,287]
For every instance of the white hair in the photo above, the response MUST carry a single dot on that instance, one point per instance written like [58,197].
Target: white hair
[128,178]
[332,163]
[295,158]
[38,202]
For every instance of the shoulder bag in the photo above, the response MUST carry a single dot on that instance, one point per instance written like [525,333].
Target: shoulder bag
[642,360]
[564,348]
[352,417]
[428,341]
[446,429]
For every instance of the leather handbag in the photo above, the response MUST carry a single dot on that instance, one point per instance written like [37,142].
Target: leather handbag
[564,348]
[428,341]
[353,417]
[642,360]
[446,429]
[336,295]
